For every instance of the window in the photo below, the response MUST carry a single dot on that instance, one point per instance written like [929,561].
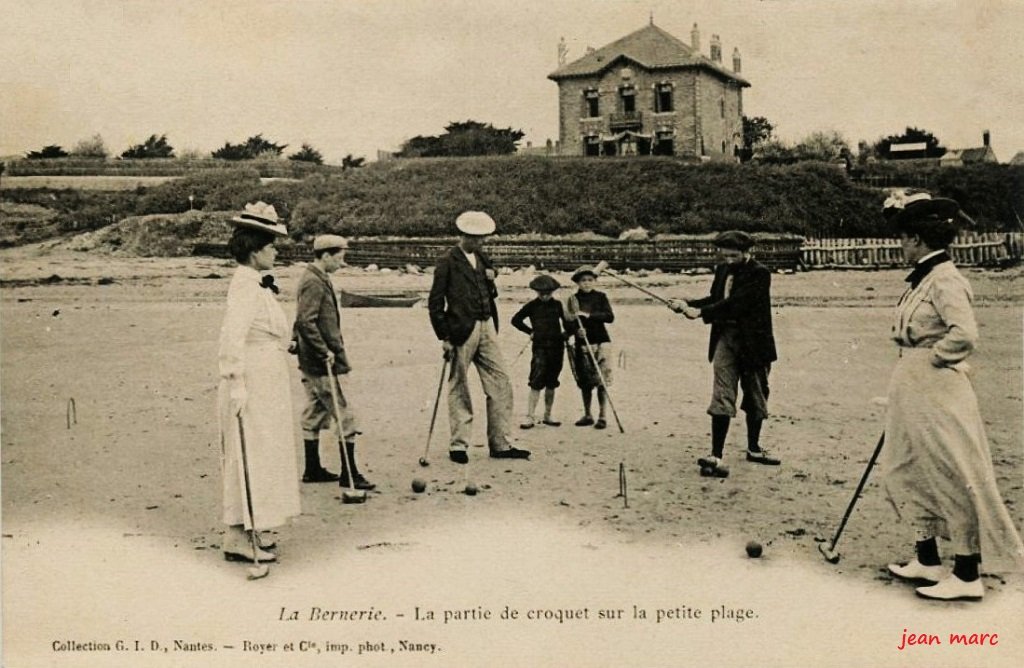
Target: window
[592,98]
[663,97]
[591,146]
[628,96]
[723,147]
[721,107]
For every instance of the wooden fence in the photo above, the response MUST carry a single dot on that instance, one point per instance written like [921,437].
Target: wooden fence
[970,250]
[549,254]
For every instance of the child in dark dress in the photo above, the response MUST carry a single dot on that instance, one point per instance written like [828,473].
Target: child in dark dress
[548,330]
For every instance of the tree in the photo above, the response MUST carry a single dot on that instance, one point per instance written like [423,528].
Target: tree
[775,152]
[464,138]
[254,147]
[308,154]
[51,151]
[154,147]
[756,131]
[92,147]
[911,136]
[826,146]
[348,162]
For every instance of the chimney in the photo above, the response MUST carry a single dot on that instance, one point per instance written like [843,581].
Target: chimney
[716,49]
[986,138]
[695,39]
[736,60]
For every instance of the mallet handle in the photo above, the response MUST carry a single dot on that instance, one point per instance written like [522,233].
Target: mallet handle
[860,488]
[634,285]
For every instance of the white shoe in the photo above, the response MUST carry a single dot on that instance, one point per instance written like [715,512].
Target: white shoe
[953,589]
[238,547]
[915,570]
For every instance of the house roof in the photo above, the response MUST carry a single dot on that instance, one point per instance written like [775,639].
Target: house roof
[1017,159]
[650,47]
[970,155]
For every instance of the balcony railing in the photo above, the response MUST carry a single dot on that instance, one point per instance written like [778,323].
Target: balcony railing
[625,120]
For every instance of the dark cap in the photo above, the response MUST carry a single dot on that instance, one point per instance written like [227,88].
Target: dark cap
[544,283]
[734,240]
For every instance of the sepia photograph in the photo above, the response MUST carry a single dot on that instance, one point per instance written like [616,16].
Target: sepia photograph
[568,333]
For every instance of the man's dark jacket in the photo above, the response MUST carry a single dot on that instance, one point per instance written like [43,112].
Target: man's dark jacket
[454,298]
[748,307]
[317,328]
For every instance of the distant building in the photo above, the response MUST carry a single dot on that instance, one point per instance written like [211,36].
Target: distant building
[1017,159]
[958,157]
[650,93]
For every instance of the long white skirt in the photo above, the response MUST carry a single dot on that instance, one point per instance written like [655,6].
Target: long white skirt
[269,442]
[937,460]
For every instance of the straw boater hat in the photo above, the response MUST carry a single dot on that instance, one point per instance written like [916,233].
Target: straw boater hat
[583,271]
[475,224]
[261,216]
[734,240]
[329,242]
[544,283]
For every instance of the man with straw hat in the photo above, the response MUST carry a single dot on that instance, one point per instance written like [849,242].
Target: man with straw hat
[465,320]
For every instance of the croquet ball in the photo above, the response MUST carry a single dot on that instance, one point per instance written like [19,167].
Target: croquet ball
[471,489]
[424,462]
[754,549]
[418,485]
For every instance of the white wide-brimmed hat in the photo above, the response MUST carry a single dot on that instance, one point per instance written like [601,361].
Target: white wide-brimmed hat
[261,216]
[475,223]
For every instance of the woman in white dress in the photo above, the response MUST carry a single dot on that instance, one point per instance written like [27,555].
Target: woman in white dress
[255,391]
[936,455]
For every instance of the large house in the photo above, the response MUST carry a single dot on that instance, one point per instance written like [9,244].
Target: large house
[650,93]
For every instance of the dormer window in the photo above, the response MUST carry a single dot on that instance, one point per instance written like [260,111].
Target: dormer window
[592,99]
[663,97]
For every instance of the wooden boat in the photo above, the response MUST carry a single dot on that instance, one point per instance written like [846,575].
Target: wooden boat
[378,300]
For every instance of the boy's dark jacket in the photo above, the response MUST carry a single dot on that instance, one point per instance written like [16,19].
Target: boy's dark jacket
[748,307]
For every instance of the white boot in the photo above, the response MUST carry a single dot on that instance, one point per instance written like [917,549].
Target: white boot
[237,546]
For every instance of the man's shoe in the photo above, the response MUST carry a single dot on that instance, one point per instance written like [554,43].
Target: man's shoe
[585,421]
[953,589]
[320,475]
[361,483]
[600,424]
[510,453]
[915,570]
[458,456]
[551,423]
[527,424]
[762,457]
[710,462]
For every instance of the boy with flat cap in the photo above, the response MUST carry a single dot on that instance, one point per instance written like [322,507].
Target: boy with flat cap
[317,332]
[742,346]
[591,312]
[465,320]
[548,331]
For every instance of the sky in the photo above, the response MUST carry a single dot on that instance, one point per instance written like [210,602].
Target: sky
[352,76]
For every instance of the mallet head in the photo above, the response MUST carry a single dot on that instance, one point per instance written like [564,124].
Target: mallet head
[353,497]
[601,267]
[831,556]
[258,571]
[424,462]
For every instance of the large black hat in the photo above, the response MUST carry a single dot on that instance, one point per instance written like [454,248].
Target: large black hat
[544,283]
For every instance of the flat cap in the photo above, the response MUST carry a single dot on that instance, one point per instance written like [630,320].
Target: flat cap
[544,283]
[329,242]
[583,271]
[475,223]
[734,240]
